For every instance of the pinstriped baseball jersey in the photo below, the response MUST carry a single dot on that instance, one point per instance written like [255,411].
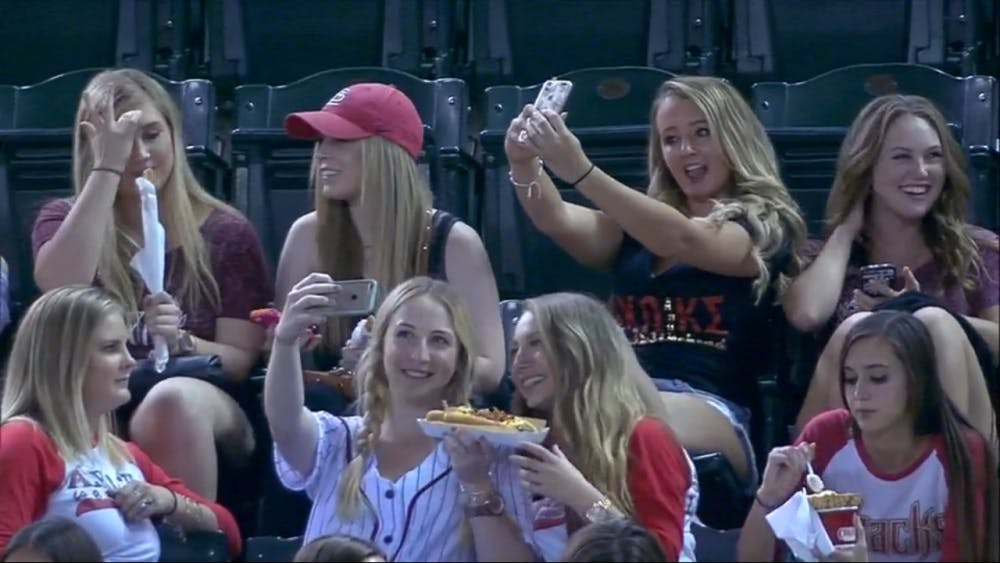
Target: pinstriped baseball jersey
[416,518]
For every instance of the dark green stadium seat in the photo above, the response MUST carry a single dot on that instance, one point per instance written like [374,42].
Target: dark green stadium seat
[43,38]
[272,170]
[807,122]
[268,42]
[271,548]
[609,111]
[527,41]
[36,148]
[792,40]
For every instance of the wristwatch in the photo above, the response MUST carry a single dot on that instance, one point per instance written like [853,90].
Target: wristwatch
[487,503]
[185,343]
[601,511]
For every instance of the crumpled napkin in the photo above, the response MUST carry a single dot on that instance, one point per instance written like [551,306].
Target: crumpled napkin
[149,261]
[799,526]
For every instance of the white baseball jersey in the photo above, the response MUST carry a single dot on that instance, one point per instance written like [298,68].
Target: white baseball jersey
[908,516]
[416,518]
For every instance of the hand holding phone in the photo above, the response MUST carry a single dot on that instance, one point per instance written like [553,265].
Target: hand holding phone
[877,274]
[552,96]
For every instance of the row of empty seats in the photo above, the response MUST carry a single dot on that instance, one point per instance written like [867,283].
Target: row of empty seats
[265,173]
[489,42]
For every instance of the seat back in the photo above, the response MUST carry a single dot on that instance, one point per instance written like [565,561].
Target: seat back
[768,35]
[270,548]
[245,46]
[50,38]
[807,122]
[507,36]
[36,153]
[609,111]
[272,170]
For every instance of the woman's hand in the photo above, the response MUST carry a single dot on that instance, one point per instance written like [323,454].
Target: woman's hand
[557,145]
[162,317]
[138,500]
[553,475]
[471,459]
[876,293]
[783,473]
[856,552]
[516,144]
[111,140]
[309,304]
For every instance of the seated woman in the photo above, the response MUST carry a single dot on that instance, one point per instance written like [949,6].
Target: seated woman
[608,456]
[378,475]
[126,125]
[58,456]
[696,261]
[374,218]
[927,480]
[899,198]
[55,540]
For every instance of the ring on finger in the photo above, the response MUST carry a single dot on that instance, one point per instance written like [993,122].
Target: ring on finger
[146,502]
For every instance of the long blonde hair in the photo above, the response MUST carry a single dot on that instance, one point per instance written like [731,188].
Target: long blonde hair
[944,228]
[392,184]
[588,356]
[374,400]
[759,196]
[178,198]
[47,367]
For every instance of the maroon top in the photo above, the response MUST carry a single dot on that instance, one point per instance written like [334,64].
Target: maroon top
[236,259]
[970,302]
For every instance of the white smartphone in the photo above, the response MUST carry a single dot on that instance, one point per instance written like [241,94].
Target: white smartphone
[357,298]
[552,96]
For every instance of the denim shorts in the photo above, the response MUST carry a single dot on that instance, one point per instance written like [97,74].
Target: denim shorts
[737,415]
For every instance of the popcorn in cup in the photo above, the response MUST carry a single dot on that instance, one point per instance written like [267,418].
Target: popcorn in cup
[836,512]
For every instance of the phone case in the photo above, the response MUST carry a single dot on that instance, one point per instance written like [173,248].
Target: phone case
[885,273]
[357,298]
[553,95]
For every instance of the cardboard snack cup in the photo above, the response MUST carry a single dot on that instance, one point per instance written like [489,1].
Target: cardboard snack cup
[836,512]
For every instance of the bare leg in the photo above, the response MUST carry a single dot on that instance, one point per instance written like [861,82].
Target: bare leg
[178,425]
[824,389]
[701,428]
[959,371]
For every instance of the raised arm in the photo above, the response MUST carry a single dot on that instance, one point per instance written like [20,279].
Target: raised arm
[811,299]
[660,228]
[589,236]
[72,254]
[294,429]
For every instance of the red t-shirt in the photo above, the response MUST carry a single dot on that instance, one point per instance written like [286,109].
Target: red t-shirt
[664,489]
[236,260]
[38,483]
[908,516]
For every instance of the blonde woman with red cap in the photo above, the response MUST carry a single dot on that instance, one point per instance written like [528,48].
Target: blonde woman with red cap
[374,218]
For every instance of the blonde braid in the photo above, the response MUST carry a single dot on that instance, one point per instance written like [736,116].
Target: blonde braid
[373,404]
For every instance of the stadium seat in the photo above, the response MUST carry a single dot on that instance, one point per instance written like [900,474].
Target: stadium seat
[50,37]
[36,149]
[271,548]
[769,36]
[272,170]
[268,42]
[527,41]
[609,111]
[807,122]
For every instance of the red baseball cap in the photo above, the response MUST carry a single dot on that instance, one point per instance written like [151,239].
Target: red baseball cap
[360,111]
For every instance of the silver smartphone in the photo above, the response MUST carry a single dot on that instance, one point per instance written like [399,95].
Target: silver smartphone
[357,298]
[552,96]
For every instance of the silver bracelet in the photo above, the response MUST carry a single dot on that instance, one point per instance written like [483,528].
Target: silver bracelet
[533,187]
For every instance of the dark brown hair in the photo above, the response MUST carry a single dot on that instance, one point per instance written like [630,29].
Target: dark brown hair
[616,540]
[58,539]
[337,548]
[934,414]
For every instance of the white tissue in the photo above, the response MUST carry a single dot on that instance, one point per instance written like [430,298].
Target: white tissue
[149,261]
[799,526]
